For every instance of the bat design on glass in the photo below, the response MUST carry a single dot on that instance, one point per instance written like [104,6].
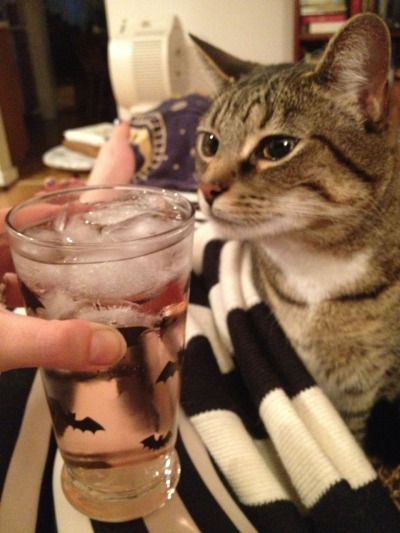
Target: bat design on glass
[168,371]
[63,419]
[155,443]
[31,300]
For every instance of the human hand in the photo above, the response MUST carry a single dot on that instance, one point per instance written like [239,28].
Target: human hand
[114,165]
[6,264]
[51,184]
[29,341]
[70,344]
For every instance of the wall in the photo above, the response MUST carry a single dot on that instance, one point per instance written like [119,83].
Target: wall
[258,30]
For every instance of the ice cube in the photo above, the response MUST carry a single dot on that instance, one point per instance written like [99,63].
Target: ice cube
[116,279]
[114,270]
[58,303]
[104,214]
[61,220]
[110,224]
[80,231]
[119,314]
[42,233]
[137,227]
[106,273]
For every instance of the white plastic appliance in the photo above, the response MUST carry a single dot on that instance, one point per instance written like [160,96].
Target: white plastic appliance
[147,62]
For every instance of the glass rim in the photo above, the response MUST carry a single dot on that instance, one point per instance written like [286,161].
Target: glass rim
[13,231]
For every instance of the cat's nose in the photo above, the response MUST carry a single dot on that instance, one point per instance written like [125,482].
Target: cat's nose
[212,190]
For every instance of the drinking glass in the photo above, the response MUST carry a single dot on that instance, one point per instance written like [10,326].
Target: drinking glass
[118,255]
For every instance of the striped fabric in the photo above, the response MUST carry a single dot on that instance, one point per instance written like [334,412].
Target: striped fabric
[276,440]
[261,447]
[32,500]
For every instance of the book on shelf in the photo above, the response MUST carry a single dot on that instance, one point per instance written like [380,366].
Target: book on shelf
[389,10]
[369,5]
[319,7]
[393,14]
[323,3]
[325,23]
[326,17]
[324,27]
[383,7]
[356,6]
[380,7]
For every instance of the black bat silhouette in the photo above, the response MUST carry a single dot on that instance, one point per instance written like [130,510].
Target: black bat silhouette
[132,334]
[168,371]
[63,419]
[31,300]
[155,443]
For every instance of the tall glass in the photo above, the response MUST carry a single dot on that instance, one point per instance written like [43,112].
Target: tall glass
[119,256]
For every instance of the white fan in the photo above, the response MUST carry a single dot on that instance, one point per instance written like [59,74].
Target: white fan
[147,62]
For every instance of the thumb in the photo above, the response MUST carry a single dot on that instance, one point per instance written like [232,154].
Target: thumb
[69,344]
[115,162]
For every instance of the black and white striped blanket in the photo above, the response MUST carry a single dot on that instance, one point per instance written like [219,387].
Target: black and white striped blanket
[261,448]
[275,438]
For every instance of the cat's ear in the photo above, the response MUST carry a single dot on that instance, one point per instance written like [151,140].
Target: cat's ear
[356,64]
[223,67]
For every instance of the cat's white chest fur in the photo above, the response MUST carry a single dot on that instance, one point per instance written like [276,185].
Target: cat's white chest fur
[315,276]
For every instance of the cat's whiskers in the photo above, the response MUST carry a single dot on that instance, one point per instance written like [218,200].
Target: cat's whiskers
[249,210]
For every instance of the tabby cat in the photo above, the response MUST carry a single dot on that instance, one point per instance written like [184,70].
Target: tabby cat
[303,162]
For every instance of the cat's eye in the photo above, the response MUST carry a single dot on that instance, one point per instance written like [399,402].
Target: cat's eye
[207,144]
[275,147]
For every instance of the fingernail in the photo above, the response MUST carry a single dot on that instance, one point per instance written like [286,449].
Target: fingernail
[107,347]
[50,181]
[117,121]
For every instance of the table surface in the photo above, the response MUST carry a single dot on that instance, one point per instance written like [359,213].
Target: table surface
[27,186]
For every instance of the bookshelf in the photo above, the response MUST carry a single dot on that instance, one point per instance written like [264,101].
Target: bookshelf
[308,39]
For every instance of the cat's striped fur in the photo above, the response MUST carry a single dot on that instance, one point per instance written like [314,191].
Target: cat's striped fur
[304,162]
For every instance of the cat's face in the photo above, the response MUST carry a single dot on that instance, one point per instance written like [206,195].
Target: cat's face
[302,148]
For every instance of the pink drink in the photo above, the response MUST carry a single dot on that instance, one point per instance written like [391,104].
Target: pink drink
[116,429]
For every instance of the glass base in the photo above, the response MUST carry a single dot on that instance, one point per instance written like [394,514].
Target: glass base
[123,506]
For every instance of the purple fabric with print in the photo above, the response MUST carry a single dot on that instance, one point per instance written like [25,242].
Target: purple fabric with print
[171,130]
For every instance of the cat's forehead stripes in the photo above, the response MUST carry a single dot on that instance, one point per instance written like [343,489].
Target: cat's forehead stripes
[256,102]
[250,105]
[249,102]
